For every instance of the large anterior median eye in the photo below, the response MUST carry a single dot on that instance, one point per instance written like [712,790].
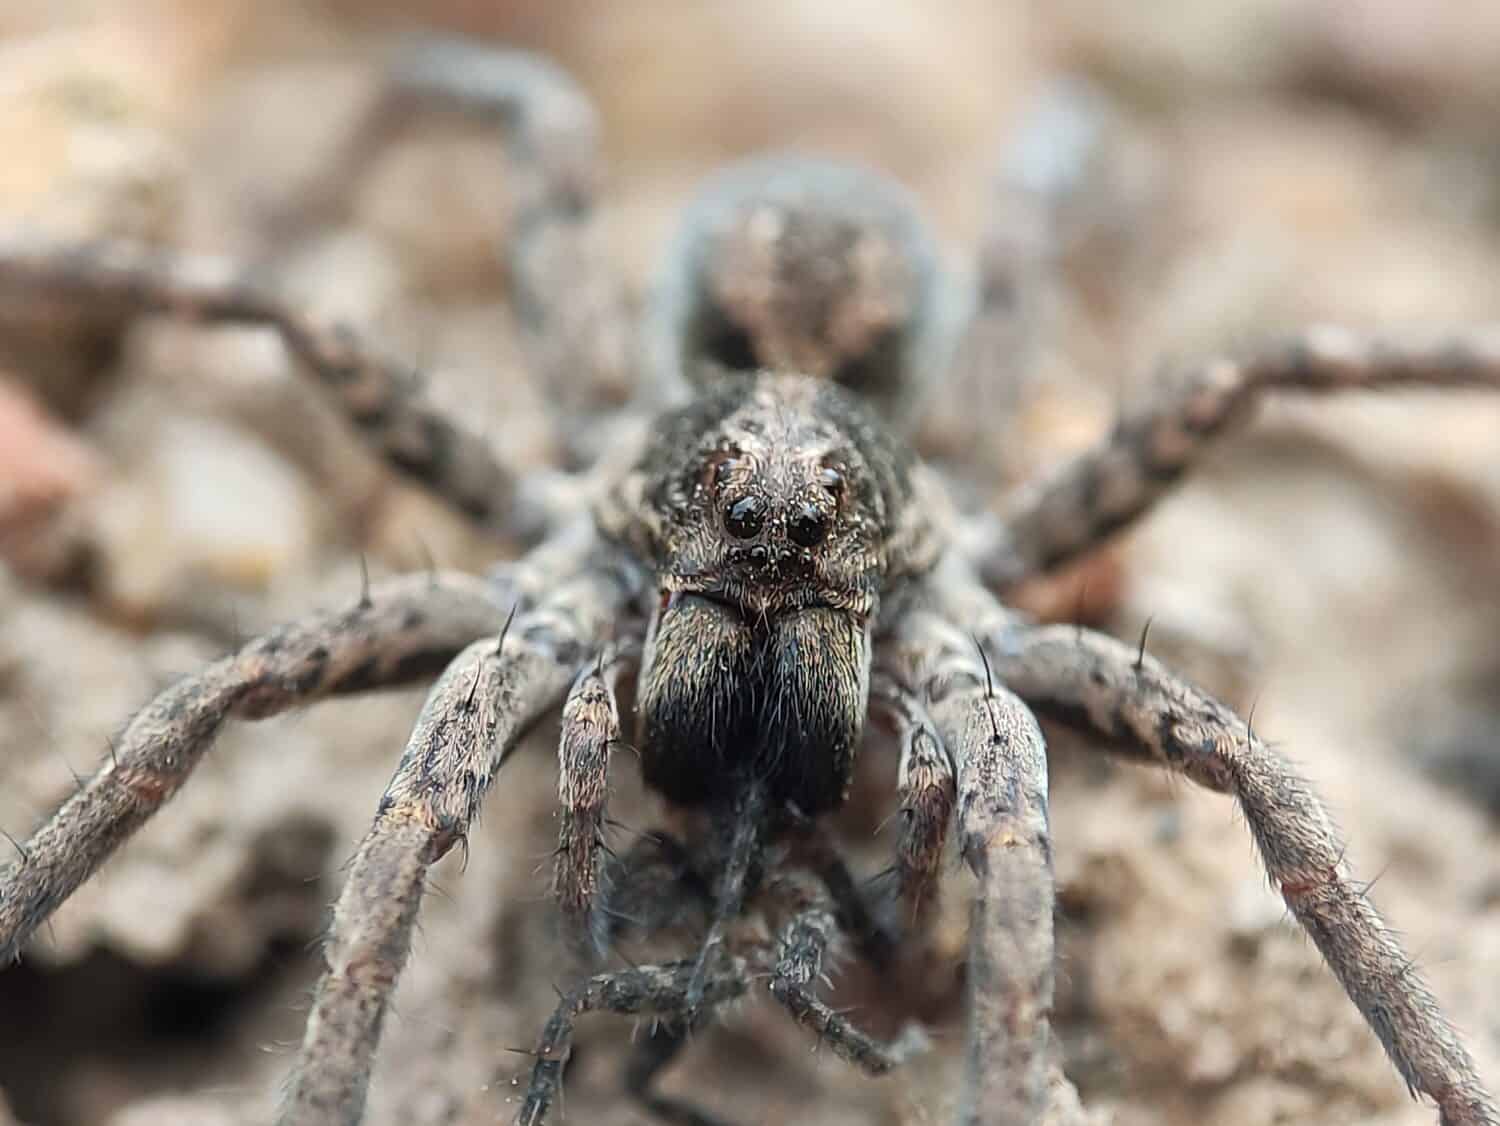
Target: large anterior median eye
[809,526]
[744,517]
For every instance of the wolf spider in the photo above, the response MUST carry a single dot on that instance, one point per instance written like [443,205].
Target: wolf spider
[771,560]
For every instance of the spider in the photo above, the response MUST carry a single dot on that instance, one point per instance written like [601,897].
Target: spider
[761,548]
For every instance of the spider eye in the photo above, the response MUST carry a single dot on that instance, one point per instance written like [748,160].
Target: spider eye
[717,470]
[809,527]
[832,480]
[743,518]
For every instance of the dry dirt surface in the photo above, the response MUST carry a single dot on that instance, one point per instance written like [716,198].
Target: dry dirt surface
[166,489]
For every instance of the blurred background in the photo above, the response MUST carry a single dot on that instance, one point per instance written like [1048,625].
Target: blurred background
[165,490]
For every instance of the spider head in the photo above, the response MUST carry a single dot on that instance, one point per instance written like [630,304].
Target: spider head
[802,267]
[775,496]
[772,500]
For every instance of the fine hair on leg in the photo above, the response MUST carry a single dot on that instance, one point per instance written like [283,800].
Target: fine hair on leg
[486,700]
[925,793]
[803,942]
[590,731]
[1003,837]
[812,847]
[738,876]
[397,632]
[658,989]
[1102,490]
[390,404]
[1139,708]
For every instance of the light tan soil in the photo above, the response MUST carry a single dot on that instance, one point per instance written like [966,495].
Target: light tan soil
[1339,567]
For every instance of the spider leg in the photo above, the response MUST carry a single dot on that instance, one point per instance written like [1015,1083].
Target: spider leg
[568,301]
[925,792]
[738,875]
[813,847]
[660,989]
[386,400]
[590,729]
[485,701]
[1141,709]
[683,992]
[657,884]
[1050,175]
[1003,837]
[399,631]
[801,947]
[1106,488]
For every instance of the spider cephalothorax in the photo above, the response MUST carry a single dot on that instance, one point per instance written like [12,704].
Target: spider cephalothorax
[774,511]
[779,560]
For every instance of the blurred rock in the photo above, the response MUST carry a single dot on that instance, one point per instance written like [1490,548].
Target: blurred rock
[1413,59]
[44,473]
[1457,741]
[179,1111]
[439,197]
[87,157]
[194,508]
[1157,50]
[1337,562]
[1255,913]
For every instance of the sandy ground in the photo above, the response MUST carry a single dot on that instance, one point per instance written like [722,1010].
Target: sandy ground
[165,490]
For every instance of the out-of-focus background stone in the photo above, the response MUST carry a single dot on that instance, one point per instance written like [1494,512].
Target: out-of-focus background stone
[166,490]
